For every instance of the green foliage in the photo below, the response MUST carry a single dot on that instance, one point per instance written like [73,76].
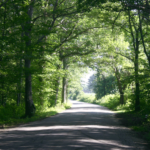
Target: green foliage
[67,105]
[11,114]
[87,97]
[86,33]
[111,101]
[92,82]
[74,95]
[105,84]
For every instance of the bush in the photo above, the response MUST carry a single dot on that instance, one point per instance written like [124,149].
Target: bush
[87,97]
[111,101]
[11,114]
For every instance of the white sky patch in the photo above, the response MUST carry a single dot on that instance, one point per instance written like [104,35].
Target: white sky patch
[87,75]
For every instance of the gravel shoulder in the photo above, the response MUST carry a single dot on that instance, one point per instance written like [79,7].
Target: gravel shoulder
[82,127]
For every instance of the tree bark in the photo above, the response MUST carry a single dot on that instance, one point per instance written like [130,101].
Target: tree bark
[120,86]
[64,90]
[141,18]
[64,84]
[57,89]
[104,84]
[19,84]
[98,81]
[136,42]
[29,105]
[137,85]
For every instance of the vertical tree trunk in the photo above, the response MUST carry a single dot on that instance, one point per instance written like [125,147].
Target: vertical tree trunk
[64,83]
[2,76]
[141,18]
[29,105]
[19,84]
[121,98]
[19,93]
[120,86]
[135,41]
[58,79]
[3,97]
[104,85]
[57,89]
[98,81]
[64,90]
[137,85]
[67,90]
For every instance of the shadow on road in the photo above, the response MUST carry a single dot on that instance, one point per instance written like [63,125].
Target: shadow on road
[83,127]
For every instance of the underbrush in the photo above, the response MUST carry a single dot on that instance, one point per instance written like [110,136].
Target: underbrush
[87,97]
[110,101]
[11,115]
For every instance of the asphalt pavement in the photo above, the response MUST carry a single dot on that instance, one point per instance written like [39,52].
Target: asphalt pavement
[83,127]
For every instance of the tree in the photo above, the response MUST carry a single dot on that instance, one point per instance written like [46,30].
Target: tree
[32,40]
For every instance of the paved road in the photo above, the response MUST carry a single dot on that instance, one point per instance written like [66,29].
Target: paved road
[83,127]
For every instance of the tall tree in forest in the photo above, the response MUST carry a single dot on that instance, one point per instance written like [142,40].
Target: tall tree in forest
[35,30]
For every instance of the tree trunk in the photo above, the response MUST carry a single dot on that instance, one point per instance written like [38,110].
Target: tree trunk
[3,97]
[19,84]
[137,85]
[121,98]
[136,42]
[64,90]
[57,89]
[2,76]
[141,18]
[67,90]
[98,81]
[19,95]
[29,105]
[104,84]
[120,86]
[64,84]
[57,80]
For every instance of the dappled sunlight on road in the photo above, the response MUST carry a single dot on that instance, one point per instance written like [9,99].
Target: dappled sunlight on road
[107,142]
[75,127]
[83,127]
[85,107]
[94,110]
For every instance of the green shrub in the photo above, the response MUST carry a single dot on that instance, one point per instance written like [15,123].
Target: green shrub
[11,114]
[85,97]
[111,101]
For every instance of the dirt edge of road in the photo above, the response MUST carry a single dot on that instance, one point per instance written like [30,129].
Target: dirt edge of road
[123,122]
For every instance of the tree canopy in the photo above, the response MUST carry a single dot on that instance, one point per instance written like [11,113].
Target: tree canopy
[46,46]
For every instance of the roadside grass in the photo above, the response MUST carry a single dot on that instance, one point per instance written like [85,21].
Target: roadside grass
[11,116]
[138,121]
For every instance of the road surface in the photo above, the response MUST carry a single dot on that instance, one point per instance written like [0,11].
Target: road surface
[83,127]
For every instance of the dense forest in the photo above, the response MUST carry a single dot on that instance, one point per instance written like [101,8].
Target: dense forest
[46,46]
